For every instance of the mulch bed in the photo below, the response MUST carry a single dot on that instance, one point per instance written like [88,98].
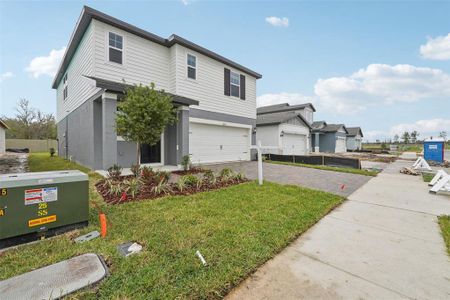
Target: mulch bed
[146,191]
[191,171]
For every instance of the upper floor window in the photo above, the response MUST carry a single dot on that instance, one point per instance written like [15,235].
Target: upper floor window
[191,66]
[115,50]
[235,84]
[65,85]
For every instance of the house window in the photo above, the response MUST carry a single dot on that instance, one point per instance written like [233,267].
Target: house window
[191,66]
[65,84]
[235,83]
[115,48]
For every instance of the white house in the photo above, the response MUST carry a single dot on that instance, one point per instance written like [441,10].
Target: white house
[215,97]
[3,128]
[285,127]
[354,138]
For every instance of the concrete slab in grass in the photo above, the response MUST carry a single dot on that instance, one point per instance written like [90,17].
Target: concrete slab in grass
[55,281]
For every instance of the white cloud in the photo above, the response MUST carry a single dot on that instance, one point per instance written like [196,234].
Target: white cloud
[437,48]
[424,127]
[380,84]
[6,75]
[291,98]
[46,65]
[278,22]
[187,2]
[373,135]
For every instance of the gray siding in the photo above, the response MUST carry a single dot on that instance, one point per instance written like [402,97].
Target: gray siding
[2,140]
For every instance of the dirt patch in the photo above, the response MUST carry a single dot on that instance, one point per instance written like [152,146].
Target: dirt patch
[13,163]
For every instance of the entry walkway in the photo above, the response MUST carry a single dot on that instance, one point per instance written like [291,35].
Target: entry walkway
[383,243]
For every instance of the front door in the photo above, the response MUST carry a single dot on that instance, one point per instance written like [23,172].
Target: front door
[151,154]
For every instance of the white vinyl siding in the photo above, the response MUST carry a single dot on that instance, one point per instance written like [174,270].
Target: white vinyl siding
[209,85]
[81,88]
[2,140]
[143,61]
[340,144]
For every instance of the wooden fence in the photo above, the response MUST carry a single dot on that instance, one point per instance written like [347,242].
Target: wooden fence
[32,145]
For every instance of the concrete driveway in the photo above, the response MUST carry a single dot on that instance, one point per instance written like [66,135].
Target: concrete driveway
[384,242]
[334,182]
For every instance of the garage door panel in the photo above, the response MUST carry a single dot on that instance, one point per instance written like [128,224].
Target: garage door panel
[341,145]
[294,144]
[216,143]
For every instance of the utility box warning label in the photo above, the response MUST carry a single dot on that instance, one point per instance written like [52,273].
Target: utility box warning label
[35,196]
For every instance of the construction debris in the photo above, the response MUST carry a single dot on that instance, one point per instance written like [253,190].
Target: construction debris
[129,248]
[440,182]
[409,171]
[201,258]
[87,237]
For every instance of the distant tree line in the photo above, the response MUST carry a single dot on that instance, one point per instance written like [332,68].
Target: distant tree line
[30,123]
[412,137]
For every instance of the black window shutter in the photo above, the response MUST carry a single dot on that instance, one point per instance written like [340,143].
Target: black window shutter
[226,82]
[242,87]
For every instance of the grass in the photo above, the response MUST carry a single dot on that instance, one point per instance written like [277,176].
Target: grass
[236,229]
[444,222]
[326,168]
[427,177]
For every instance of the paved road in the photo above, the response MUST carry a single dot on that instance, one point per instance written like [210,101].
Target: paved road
[383,243]
[328,181]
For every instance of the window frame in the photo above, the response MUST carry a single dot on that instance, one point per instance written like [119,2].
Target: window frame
[234,84]
[189,66]
[115,48]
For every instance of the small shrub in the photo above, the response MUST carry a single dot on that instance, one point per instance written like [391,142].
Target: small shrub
[181,184]
[162,188]
[147,173]
[136,170]
[52,152]
[114,172]
[162,176]
[132,186]
[209,177]
[191,180]
[186,162]
[226,173]
[239,176]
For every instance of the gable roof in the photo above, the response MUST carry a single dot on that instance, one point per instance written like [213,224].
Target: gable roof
[119,87]
[278,118]
[88,13]
[322,126]
[353,131]
[282,107]
[3,124]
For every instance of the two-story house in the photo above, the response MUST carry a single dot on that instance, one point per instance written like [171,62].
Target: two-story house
[215,97]
[285,127]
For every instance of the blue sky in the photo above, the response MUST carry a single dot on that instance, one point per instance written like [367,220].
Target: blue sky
[360,62]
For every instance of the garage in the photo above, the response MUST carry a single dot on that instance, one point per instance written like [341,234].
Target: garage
[294,144]
[222,142]
[340,144]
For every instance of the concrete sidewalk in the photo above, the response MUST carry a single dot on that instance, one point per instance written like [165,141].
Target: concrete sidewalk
[383,243]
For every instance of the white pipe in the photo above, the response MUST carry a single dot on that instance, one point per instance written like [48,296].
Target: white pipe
[260,168]
[201,258]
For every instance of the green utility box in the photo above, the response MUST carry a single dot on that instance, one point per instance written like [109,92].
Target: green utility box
[42,203]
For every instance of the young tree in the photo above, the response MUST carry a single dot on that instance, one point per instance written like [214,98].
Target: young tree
[405,137]
[414,135]
[143,115]
[443,134]
[396,137]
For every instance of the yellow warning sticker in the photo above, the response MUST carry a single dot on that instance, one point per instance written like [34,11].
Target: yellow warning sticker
[41,221]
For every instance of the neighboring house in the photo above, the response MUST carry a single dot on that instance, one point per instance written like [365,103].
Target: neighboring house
[329,138]
[3,128]
[285,127]
[354,138]
[215,97]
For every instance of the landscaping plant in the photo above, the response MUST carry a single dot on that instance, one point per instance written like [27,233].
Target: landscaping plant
[52,152]
[186,162]
[143,115]
[136,170]
[114,172]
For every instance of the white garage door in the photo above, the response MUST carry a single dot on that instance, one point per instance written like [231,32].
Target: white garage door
[294,144]
[216,143]
[340,145]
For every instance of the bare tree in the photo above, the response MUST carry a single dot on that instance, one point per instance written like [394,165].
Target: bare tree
[443,134]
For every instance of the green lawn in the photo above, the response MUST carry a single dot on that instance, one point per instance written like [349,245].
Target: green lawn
[326,168]
[444,222]
[236,229]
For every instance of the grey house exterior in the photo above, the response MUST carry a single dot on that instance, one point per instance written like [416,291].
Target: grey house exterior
[354,138]
[285,127]
[329,138]
[215,97]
